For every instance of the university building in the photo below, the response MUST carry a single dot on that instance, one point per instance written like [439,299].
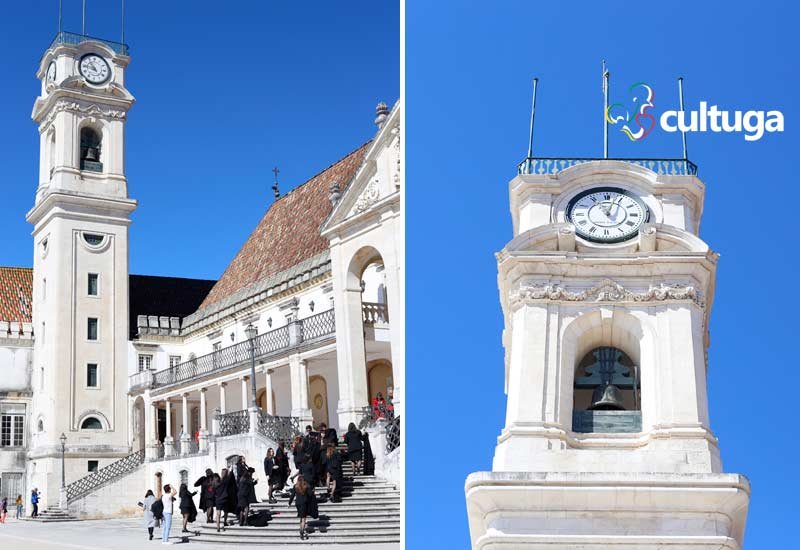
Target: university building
[145,375]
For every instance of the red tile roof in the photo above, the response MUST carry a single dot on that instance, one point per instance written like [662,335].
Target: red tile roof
[289,232]
[16,294]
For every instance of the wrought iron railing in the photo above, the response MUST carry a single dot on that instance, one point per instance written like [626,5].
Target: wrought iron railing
[393,435]
[278,428]
[546,165]
[73,39]
[374,312]
[318,326]
[103,476]
[232,423]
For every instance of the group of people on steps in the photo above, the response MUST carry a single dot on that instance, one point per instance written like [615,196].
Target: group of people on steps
[318,463]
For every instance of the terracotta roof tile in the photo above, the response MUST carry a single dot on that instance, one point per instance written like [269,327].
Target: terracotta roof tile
[16,294]
[289,232]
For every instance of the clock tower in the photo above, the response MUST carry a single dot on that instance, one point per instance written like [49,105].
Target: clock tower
[606,290]
[80,217]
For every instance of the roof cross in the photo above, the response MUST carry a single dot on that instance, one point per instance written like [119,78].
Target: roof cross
[275,185]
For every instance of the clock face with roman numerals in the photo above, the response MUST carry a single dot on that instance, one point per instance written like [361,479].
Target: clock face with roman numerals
[607,214]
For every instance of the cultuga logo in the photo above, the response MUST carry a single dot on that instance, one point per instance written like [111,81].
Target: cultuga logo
[636,122]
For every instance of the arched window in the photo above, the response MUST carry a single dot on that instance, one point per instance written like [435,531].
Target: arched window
[52,152]
[90,150]
[606,393]
[91,423]
[40,426]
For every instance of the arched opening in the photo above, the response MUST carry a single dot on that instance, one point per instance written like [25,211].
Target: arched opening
[318,399]
[51,154]
[91,148]
[91,423]
[373,291]
[380,380]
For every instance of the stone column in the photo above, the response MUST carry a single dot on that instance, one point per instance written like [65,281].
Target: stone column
[268,391]
[244,393]
[222,409]
[350,356]
[298,373]
[169,447]
[203,426]
[150,429]
[186,438]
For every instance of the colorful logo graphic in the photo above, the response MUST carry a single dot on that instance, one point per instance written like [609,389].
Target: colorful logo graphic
[637,123]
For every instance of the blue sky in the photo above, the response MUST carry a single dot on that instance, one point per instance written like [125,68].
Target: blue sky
[225,91]
[469,66]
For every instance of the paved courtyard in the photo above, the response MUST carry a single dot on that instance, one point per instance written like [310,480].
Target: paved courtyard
[117,534]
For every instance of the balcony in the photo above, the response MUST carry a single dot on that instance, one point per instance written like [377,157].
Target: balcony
[665,167]
[374,312]
[73,39]
[270,344]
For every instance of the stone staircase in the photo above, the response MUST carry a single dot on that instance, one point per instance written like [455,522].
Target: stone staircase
[369,513]
[52,514]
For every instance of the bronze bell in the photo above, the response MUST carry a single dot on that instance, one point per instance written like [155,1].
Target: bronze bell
[607,397]
[91,153]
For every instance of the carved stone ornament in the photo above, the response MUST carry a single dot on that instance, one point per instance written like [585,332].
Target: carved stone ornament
[88,110]
[368,197]
[605,291]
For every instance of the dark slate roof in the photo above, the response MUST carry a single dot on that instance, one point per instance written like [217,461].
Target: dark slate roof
[16,294]
[164,296]
[289,233]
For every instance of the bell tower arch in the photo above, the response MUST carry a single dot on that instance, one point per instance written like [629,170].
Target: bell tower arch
[80,221]
[606,290]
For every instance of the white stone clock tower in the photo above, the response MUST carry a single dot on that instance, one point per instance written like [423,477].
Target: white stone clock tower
[80,294]
[606,290]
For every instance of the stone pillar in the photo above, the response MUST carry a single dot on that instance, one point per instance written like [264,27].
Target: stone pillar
[150,429]
[298,373]
[350,357]
[222,409]
[244,393]
[203,427]
[268,391]
[186,437]
[169,447]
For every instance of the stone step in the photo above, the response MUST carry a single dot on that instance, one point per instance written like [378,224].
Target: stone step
[314,525]
[345,504]
[313,539]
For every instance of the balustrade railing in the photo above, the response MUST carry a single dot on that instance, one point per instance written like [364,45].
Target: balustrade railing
[374,312]
[275,341]
[107,474]
[73,39]
[393,435]
[232,423]
[140,379]
[278,428]
[667,167]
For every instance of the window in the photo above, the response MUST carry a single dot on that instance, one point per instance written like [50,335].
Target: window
[92,239]
[217,346]
[91,423]
[43,331]
[174,360]
[12,485]
[145,362]
[92,466]
[90,150]
[91,375]
[91,328]
[92,284]
[12,430]
[44,289]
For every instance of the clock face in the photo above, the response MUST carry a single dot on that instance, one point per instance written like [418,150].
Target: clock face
[607,214]
[51,72]
[94,68]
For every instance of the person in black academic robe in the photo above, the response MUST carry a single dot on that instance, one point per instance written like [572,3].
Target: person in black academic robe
[246,495]
[354,447]
[333,469]
[305,502]
[206,488]
[282,460]
[369,458]
[188,509]
[272,471]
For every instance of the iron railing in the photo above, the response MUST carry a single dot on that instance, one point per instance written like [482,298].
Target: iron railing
[103,476]
[73,39]
[232,423]
[275,341]
[549,165]
[393,435]
[278,428]
[374,312]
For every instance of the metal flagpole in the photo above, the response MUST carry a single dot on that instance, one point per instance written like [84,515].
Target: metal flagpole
[123,21]
[533,115]
[83,19]
[60,2]
[683,133]
[605,108]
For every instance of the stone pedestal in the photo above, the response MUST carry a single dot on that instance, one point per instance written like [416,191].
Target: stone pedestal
[595,511]
[169,446]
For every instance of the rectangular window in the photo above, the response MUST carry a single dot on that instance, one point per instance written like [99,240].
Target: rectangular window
[217,346]
[44,289]
[91,328]
[92,466]
[145,362]
[12,430]
[91,375]
[174,360]
[92,284]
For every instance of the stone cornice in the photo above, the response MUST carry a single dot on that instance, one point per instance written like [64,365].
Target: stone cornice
[605,291]
[90,109]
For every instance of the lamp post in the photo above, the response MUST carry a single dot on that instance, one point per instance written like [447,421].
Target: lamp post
[63,440]
[251,333]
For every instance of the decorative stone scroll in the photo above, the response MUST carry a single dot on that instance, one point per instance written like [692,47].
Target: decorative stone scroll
[605,291]
[368,197]
[75,107]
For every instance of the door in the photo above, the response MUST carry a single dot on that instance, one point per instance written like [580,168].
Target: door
[318,399]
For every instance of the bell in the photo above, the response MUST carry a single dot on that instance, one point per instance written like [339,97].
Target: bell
[607,397]
[91,153]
